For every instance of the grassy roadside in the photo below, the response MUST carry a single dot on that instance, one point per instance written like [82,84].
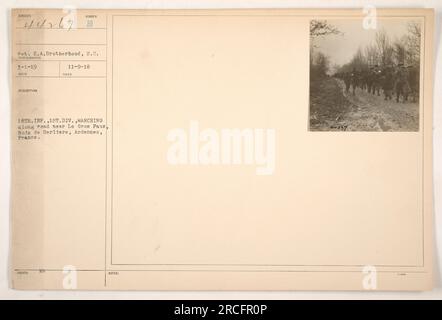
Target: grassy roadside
[327,104]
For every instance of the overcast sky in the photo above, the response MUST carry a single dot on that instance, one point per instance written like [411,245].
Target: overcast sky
[341,48]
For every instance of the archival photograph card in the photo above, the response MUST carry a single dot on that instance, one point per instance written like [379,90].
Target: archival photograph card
[240,149]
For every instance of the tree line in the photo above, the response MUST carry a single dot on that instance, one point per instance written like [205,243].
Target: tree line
[382,52]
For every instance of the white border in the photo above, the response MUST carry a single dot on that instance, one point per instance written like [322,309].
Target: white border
[5,113]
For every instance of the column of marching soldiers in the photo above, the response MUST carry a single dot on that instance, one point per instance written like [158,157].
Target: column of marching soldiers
[399,81]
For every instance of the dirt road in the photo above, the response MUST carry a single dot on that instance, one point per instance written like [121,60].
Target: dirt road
[367,112]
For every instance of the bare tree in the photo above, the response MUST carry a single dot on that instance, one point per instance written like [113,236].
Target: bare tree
[320,66]
[320,63]
[384,47]
[323,63]
[413,42]
[322,28]
[359,60]
[400,51]
[371,55]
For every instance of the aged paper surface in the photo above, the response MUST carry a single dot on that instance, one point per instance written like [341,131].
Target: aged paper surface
[222,149]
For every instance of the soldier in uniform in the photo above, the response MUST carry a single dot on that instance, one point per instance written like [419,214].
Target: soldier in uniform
[364,79]
[402,87]
[347,80]
[377,80]
[370,79]
[413,80]
[387,80]
[354,77]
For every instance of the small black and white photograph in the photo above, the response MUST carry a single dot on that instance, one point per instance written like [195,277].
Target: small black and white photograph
[365,78]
